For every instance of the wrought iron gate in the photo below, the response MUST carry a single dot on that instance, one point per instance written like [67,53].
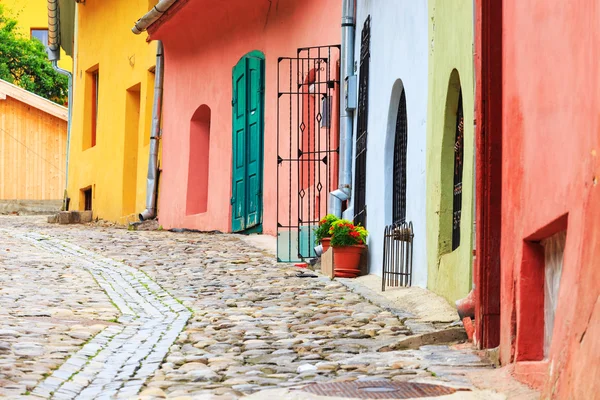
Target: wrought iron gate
[307,146]
[360,179]
[458,174]
[397,255]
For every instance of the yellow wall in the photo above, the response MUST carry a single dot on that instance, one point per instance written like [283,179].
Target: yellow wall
[450,68]
[116,167]
[34,14]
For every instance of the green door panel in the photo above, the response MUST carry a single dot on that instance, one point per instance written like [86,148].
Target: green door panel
[248,134]
[238,198]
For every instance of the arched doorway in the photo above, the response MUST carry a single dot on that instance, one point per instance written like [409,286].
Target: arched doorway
[451,192]
[400,159]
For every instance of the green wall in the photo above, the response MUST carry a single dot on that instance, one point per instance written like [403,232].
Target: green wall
[450,67]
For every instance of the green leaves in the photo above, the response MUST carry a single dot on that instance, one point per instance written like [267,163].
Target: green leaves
[23,62]
[345,233]
[324,225]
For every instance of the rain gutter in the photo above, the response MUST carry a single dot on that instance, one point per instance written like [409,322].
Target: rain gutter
[343,193]
[54,56]
[152,16]
[155,134]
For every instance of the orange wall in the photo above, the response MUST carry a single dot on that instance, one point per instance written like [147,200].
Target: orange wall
[551,167]
[203,41]
[32,153]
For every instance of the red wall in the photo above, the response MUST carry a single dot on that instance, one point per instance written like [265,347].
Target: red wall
[203,40]
[551,164]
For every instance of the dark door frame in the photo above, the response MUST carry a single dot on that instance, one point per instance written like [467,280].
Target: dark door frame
[488,138]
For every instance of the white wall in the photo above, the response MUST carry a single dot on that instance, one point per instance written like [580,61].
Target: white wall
[399,35]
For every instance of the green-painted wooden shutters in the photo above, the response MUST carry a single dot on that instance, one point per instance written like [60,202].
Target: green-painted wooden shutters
[248,83]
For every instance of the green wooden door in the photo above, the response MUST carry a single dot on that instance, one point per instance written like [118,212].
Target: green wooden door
[248,126]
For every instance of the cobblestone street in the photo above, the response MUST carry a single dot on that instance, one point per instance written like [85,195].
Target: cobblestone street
[99,312]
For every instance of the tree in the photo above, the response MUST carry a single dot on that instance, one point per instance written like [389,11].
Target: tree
[24,62]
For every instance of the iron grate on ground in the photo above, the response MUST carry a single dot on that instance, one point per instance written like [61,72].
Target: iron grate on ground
[379,390]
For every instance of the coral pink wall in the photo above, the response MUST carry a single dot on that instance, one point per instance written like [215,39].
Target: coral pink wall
[551,149]
[203,41]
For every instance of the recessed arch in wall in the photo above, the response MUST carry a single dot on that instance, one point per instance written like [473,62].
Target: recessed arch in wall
[198,162]
[451,167]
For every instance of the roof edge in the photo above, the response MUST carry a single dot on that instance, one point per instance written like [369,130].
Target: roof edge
[32,99]
[157,16]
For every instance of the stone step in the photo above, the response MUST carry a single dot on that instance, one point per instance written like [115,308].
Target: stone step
[71,217]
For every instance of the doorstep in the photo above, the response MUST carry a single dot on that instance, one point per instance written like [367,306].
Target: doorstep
[266,243]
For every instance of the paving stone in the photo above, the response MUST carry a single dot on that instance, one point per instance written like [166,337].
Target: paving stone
[255,324]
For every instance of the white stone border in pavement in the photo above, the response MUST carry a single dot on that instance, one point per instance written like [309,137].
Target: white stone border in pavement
[117,361]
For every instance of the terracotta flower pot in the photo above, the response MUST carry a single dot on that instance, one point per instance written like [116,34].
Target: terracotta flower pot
[346,261]
[326,243]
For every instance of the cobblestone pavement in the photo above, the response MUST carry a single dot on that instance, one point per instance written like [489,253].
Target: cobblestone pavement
[255,324]
[48,309]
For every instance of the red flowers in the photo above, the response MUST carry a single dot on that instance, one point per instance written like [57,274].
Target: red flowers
[342,232]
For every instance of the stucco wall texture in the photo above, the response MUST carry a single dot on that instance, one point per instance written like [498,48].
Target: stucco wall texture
[116,167]
[203,42]
[450,48]
[399,39]
[551,152]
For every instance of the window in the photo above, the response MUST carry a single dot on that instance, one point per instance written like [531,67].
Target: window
[94,100]
[458,172]
[400,150]
[537,296]
[360,176]
[91,107]
[308,132]
[554,250]
[451,168]
[87,199]
[40,34]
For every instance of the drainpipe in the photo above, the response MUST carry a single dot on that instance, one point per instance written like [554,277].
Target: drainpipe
[54,56]
[344,191]
[155,133]
[154,14]
[152,185]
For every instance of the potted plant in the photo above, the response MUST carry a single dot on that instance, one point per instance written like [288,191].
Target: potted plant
[322,234]
[348,242]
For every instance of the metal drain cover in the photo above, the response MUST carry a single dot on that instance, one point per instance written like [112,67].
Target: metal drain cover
[378,390]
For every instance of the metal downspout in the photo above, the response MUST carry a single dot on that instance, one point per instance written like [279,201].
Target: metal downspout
[155,133]
[344,190]
[54,56]
[70,117]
